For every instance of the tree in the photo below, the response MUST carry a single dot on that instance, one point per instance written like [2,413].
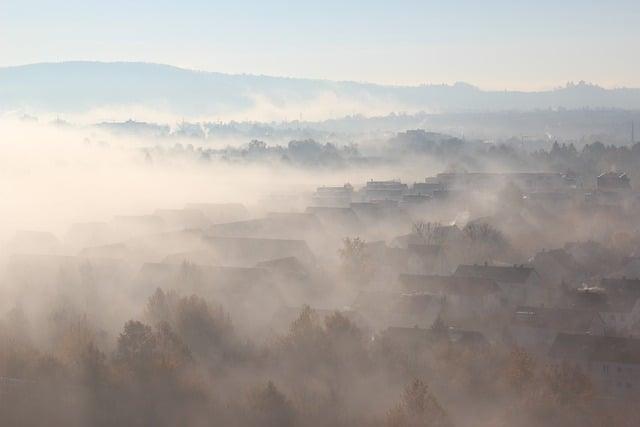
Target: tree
[269,407]
[355,260]
[136,348]
[418,408]
[430,232]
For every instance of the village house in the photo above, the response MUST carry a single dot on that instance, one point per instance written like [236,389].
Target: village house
[221,212]
[557,266]
[333,196]
[383,190]
[342,221]
[247,251]
[613,181]
[383,309]
[535,328]
[519,284]
[620,313]
[464,297]
[613,363]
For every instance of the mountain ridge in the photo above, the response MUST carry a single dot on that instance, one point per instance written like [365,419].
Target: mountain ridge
[73,86]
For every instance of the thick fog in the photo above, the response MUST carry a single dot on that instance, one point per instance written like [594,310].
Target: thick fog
[278,274]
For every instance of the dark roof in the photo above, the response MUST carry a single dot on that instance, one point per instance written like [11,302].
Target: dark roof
[621,285]
[415,335]
[289,266]
[274,225]
[466,337]
[596,348]
[454,285]
[220,212]
[601,300]
[561,257]
[397,302]
[560,319]
[254,250]
[501,274]
[425,250]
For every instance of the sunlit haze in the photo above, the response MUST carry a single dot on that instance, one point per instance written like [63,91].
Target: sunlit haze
[491,44]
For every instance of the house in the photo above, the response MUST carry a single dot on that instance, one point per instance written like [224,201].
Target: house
[427,188]
[288,268]
[247,251]
[484,181]
[613,181]
[465,297]
[519,284]
[276,225]
[333,196]
[220,212]
[183,219]
[595,258]
[535,328]
[379,212]
[383,190]
[414,341]
[383,308]
[423,259]
[154,247]
[557,266]
[620,312]
[613,363]
[340,220]
[622,286]
[549,200]
[386,261]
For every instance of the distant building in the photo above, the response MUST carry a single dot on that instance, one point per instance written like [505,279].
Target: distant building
[333,196]
[613,363]
[520,284]
[465,297]
[613,181]
[384,190]
[383,309]
[527,181]
[535,328]
[557,266]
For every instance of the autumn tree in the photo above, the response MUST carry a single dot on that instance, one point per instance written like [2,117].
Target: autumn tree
[418,408]
[269,407]
[356,263]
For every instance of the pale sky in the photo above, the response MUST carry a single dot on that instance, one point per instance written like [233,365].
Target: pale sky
[492,44]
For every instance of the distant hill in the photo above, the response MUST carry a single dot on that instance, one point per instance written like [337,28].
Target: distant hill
[81,86]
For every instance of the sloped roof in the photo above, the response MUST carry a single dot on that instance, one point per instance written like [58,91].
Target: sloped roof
[221,212]
[274,225]
[560,319]
[621,285]
[596,348]
[500,274]
[286,265]
[451,285]
[560,257]
[252,250]
[408,303]
[598,299]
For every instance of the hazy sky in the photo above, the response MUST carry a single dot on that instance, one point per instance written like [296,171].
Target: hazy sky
[493,44]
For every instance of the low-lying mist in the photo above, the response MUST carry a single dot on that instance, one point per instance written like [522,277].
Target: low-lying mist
[361,278]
